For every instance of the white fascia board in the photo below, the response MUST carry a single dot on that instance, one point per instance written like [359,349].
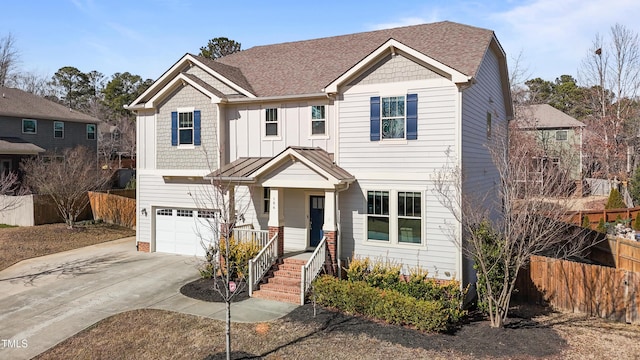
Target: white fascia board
[178,80]
[162,79]
[392,46]
[217,75]
[292,153]
[304,184]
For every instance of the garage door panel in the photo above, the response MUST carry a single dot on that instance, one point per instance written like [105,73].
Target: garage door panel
[181,231]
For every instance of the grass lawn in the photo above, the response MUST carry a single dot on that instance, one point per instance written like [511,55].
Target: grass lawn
[20,243]
[157,334]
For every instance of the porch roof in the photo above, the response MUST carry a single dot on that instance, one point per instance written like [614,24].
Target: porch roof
[18,146]
[247,169]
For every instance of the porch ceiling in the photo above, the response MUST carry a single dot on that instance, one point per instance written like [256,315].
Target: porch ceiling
[18,146]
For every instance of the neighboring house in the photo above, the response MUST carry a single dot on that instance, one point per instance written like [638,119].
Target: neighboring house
[31,125]
[558,136]
[336,138]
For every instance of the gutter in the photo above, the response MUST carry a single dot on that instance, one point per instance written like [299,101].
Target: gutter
[275,98]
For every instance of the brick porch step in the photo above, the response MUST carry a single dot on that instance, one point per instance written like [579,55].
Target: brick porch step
[282,283]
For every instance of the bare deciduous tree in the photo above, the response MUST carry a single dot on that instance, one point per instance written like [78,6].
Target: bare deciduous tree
[223,260]
[502,229]
[10,189]
[612,71]
[66,178]
[8,58]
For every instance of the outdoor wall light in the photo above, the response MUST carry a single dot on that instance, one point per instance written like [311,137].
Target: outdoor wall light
[144,211]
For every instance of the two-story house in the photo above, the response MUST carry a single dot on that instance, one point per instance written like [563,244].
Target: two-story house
[335,138]
[32,125]
[559,143]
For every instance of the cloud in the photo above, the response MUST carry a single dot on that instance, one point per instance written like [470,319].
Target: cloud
[556,35]
[126,32]
[403,22]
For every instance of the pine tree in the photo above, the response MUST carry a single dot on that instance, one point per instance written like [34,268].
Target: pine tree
[615,200]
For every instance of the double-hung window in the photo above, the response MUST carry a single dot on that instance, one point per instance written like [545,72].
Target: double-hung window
[378,215]
[318,120]
[271,122]
[394,217]
[561,135]
[185,127]
[409,217]
[266,199]
[29,126]
[394,117]
[58,129]
[91,132]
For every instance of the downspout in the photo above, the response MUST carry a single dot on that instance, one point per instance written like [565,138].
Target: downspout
[339,226]
[460,267]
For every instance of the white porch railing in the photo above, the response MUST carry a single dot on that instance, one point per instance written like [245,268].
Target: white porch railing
[259,265]
[261,237]
[312,268]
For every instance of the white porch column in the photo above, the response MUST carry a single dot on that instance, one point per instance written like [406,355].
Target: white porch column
[276,217]
[329,211]
[276,211]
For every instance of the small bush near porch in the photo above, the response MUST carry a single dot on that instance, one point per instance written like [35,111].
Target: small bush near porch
[380,291]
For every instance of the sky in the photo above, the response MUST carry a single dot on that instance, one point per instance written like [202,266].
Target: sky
[146,37]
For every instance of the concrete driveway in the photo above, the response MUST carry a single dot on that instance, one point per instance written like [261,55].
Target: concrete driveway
[48,299]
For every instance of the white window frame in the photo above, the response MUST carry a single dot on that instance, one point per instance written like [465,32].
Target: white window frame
[94,132]
[324,135]
[62,130]
[393,218]
[266,200]
[383,118]
[35,126]
[566,135]
[267,121]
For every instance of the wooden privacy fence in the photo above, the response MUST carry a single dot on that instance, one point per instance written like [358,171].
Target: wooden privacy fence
[618,252]
[610,215]
[113,209]
[591,289]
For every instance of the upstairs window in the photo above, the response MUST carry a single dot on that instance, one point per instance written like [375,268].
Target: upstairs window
[393,120]
[58,129]
[561,135]
[91,132]
[394,117]
[185,127]
[271,122]
[29,126]
[318,120]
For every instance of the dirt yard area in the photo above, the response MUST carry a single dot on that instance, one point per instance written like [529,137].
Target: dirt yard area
[20,243]
[156,334]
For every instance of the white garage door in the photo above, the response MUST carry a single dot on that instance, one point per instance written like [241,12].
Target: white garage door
[183,231]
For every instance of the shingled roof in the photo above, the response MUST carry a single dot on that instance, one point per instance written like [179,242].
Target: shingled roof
[18,103]
[306,67]
[545,116]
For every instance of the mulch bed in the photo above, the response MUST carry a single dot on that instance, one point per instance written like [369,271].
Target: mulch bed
[206,290]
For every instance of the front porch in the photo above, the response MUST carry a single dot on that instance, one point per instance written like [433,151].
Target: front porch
[297,208]
[283,276]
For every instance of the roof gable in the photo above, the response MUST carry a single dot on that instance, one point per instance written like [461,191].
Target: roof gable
[545,116]
[392,47]
[306,67]
[164,84]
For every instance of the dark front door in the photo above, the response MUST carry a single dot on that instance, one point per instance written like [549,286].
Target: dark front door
[316,219]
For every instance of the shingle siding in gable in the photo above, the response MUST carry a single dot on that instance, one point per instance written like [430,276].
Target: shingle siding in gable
[394,69]
[172,157]
[209,79]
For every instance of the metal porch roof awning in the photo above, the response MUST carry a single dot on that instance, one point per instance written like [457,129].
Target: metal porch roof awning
[18,146]
[244,169]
